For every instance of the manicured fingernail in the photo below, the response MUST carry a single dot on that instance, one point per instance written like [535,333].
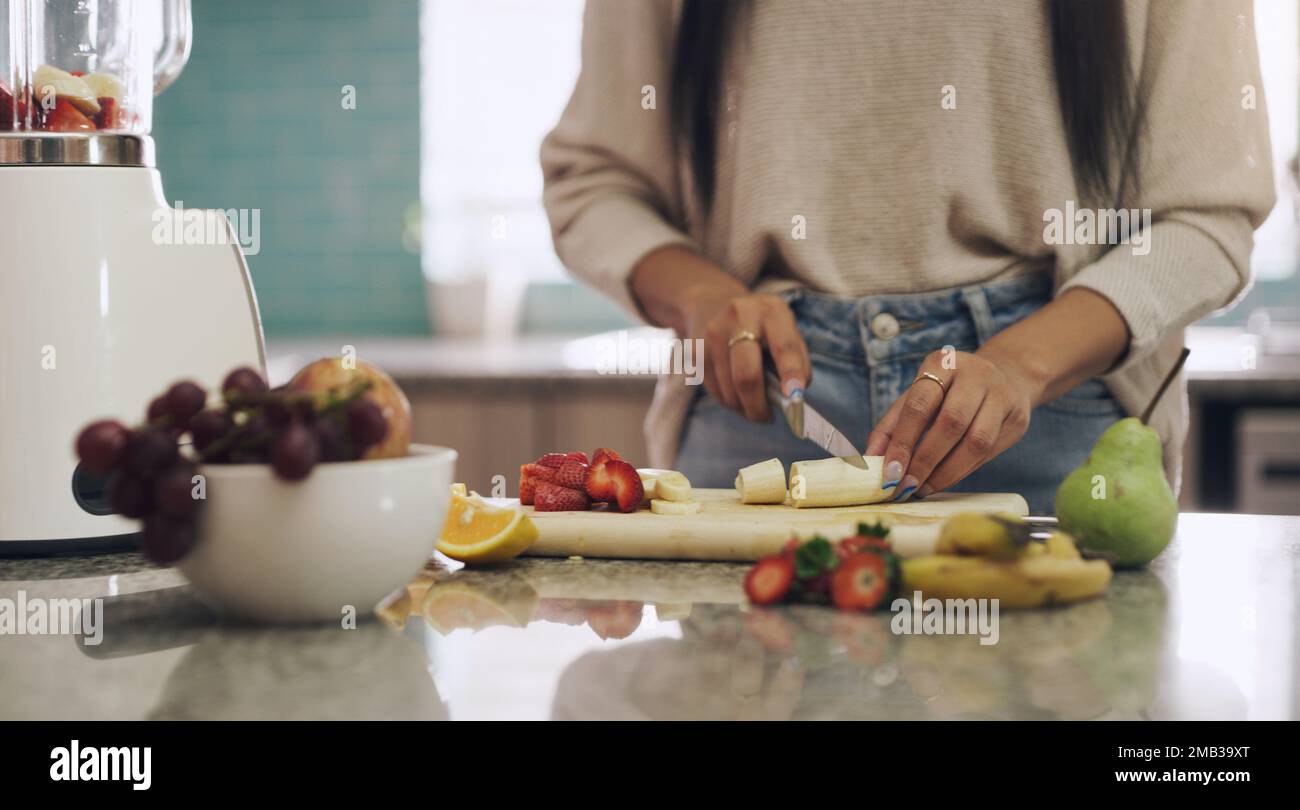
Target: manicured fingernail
[924,491]
[792,386]
[906,488]
[893,472]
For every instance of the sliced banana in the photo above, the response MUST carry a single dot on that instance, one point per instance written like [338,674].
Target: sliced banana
[661,507]
[673,486]
[459,489]
[49,82]
[836,482]
[763,482]
[105,85]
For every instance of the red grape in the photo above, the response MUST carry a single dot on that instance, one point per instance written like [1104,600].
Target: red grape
[165,540]
[294,452]
[100,445]
[244,381]
[173,492]
[333,445]
[183,400]
[157,409]
[131,496]
[149,452]
[208,426]
[366,423]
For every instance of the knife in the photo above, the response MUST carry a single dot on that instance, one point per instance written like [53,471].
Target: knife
[806,423]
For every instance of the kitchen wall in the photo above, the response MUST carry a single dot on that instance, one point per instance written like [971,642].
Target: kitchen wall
[256,121]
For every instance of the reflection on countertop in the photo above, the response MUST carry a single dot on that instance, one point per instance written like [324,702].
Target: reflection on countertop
[1208,632]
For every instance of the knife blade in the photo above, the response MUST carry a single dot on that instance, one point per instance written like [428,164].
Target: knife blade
[806,423]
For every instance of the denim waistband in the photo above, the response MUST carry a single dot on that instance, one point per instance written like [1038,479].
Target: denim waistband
[882,329]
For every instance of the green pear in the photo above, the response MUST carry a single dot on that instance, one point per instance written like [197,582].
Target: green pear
[1118,502]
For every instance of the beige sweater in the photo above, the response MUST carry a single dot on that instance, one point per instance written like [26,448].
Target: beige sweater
[834,111]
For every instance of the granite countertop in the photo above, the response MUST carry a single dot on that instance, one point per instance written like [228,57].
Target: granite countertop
[1209,631]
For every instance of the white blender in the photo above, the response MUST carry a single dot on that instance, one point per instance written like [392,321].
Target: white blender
[102,303]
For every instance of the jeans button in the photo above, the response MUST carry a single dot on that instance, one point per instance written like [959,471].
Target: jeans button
[884,326]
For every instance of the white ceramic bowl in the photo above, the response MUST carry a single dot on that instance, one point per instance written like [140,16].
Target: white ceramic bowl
[346,536]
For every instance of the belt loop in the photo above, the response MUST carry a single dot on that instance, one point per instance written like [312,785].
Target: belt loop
[980,312]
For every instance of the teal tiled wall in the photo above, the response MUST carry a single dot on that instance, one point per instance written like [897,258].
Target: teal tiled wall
[255,121]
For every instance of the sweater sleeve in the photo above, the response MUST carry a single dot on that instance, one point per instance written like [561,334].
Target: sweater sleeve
[610,182]
[1205,172]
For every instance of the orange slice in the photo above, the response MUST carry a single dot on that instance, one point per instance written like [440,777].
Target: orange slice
[477,532]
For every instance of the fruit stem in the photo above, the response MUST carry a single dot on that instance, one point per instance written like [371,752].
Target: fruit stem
[1169,378]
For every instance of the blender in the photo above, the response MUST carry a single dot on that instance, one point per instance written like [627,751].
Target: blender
[107,293]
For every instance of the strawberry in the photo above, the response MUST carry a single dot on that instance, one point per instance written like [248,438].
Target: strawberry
[552,460]
[604,454]
[858,544]
[625,483]
[67,118]
[555,498]
[616,620]
[769,580]
[579,455]
[573,474]
[109,115]
[790,547]
[599,486]
[529,475]
[861,582]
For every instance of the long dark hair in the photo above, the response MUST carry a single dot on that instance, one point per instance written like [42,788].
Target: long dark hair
[1094,83]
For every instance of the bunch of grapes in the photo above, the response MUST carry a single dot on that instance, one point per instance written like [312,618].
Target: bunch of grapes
[153,467]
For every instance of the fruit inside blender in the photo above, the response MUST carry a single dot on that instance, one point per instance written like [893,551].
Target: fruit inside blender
[59,101]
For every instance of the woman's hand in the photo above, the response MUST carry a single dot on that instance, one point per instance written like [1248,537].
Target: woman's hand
[935,435]
[984,404]
[680,289]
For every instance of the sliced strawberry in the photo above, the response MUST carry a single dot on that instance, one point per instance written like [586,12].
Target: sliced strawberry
[769,580]
[573,475]
[67,118]
[529,475]
[552,460]
[579,455]
[861,582]
[555,498]
[626,484]
[790,547]
[599,485]
[604,454]
[109,115]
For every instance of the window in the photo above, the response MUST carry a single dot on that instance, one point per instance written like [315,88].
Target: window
[1277,29]
[496,74]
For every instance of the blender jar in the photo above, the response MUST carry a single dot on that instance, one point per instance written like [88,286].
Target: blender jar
[88,66]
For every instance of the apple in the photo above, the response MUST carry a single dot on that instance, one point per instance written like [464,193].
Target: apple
[329,373]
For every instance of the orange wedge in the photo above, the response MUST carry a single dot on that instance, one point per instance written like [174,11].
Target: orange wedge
[477,532]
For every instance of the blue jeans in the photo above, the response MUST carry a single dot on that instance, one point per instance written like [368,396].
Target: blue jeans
[861,364]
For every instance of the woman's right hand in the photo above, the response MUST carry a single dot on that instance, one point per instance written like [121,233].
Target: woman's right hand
[682,290]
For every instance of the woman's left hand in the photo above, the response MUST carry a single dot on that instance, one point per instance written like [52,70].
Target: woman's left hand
[934,436]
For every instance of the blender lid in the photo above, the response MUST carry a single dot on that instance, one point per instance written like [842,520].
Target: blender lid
[75,149]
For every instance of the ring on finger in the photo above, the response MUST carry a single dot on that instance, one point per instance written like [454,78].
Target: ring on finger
[925,375]
[740,337]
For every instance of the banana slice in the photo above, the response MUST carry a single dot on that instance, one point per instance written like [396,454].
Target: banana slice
[48,82]
[105,85]
[661,507]
[673,486]
[458,489]
[763,482]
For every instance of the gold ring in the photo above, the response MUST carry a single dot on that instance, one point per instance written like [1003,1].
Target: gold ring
[740,336]
[925,375]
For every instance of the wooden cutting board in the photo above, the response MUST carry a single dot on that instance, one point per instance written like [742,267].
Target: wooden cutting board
[726,529]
